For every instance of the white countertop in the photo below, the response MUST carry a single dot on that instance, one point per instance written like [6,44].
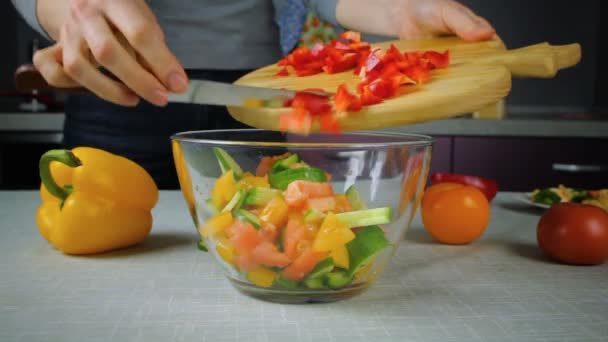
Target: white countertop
[500,288]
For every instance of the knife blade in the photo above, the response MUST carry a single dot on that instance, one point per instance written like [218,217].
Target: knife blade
[28,79]
[227,94]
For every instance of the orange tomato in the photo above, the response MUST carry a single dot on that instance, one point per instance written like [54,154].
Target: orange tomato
[454,213]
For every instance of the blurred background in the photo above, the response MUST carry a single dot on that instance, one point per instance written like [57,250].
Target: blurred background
[551,131]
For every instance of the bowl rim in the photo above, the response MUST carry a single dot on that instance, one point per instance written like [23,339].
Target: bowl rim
[420,139]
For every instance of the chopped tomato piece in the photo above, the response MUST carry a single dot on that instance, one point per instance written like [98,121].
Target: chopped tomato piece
[299,191]
[295,232]
[269,231]
[303,264]
[266,163]
[245,263]
[244,237]
[267,254]
[322,204]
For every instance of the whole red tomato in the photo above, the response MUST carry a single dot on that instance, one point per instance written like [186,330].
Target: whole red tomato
[574,233]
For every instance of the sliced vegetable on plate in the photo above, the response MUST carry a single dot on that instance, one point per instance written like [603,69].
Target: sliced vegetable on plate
[546,197]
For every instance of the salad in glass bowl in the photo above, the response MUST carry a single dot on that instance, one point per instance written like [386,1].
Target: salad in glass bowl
[301,219]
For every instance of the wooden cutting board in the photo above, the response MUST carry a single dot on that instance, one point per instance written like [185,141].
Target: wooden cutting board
[479,75]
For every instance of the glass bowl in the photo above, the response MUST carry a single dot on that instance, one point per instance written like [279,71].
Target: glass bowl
[317,226]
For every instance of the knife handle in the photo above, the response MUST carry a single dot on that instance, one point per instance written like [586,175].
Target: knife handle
[28,79]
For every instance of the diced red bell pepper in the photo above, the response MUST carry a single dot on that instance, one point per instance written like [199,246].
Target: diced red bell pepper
[314,104]
[345,62]
[351,36]
[438,60]
[368,98]
[282,72]
[298,121]
[392,55]
[383,88]
[418,73]
[341,46]
[389,71]
[329,123]
[308,72]
[413,56]
[382,76]
[345,101]
[317,50]
[372,61]
[489,187]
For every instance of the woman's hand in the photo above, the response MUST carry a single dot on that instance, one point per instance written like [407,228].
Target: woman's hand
[124,38]
[410,19]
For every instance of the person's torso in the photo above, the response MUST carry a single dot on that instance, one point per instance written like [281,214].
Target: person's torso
[219,34]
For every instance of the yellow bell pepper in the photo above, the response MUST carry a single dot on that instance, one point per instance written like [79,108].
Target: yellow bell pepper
[216,224]
[262,277]
[225,249]
[332,235]
[275,212]
[183,177]
[223,190]
[249,180]
[94,201]
[340,256]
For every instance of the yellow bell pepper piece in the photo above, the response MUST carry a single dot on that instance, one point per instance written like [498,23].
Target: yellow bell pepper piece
[216,224]
[275,212]
[362,273]
[249,180]
[185,183]
[262,277]
[254,103]
[98,202]
[223,190]
[225,249]
[340,256]
[332,235]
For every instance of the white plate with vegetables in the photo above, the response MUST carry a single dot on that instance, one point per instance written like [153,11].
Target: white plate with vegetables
[546,197]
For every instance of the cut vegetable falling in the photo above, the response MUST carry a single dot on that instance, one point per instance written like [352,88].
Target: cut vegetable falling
[382,75]
[286,227]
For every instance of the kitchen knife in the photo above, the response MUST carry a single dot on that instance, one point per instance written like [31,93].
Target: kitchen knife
[28,79]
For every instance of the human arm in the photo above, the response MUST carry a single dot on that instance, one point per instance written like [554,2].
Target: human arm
[406,19]
[124,37]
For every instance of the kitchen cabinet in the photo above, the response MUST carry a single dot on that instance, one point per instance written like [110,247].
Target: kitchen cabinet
[522,164]
[441,160]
